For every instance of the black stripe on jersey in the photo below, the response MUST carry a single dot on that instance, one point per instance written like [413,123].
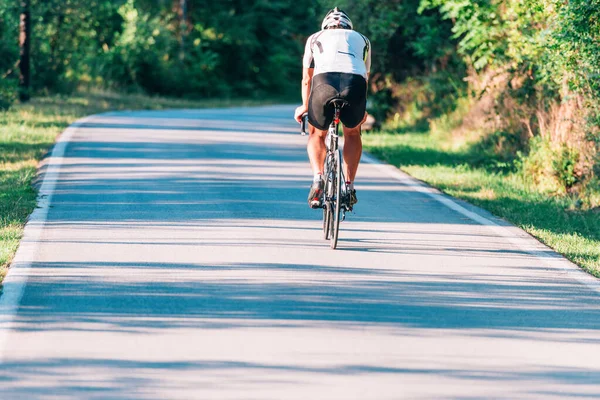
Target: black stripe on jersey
[314,40]
[366,49]
[350,54]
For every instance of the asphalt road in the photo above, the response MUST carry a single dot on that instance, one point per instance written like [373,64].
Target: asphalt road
[173,256]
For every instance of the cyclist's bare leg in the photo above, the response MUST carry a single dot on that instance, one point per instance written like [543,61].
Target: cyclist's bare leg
[352,152]
[316,148]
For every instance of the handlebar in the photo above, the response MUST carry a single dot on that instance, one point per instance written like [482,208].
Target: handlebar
[304,124]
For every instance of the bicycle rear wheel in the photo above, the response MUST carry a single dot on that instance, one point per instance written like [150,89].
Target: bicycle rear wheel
[335,204]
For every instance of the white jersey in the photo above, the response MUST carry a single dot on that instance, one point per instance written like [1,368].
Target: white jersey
[338,50]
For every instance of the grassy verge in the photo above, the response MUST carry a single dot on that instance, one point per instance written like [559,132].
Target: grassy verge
[28,130]
[575,234]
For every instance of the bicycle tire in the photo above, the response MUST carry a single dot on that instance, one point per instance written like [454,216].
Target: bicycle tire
[336,199]
[326,198]
[326,221]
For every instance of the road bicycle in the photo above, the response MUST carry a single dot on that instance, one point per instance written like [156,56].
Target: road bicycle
[334,204]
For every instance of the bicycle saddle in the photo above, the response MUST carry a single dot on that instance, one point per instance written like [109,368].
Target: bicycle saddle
[337,103]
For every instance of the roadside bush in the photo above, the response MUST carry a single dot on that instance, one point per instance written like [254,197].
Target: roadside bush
[590,193]
[565,167]
[536,167]
[553,168]
[8,93]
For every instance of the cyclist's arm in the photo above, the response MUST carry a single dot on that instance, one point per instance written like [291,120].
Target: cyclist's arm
[368,61]
[368,66]
[308,65]
[307,74]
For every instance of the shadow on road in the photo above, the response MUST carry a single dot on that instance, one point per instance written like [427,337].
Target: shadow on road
[199,194]
[392,297]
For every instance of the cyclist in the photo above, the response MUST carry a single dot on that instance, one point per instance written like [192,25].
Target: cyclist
[336,64]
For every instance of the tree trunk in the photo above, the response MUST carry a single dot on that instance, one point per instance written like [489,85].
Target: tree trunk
[25,47]
[182,28]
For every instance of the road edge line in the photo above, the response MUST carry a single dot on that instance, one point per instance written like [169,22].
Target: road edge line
[16,278]
[555,261]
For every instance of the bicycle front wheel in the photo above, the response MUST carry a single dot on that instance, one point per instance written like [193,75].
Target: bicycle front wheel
[328,195]
[326,221]
[336,202]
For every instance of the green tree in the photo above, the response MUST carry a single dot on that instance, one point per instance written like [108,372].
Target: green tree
[25,50]
[9,52]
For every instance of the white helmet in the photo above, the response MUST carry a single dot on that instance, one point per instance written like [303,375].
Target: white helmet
[336,18]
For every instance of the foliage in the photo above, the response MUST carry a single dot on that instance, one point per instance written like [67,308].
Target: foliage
[8,93]
[553,42]
[545,54]
[526,68]
[576,40]
[494,32]
[68,35]
[539,165]
[230,47]
[415,65]
[9,52]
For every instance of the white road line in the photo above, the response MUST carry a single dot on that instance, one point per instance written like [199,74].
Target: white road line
[547,257]
[18,273]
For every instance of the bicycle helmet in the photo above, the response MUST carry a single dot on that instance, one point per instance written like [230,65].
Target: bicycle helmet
[336,19]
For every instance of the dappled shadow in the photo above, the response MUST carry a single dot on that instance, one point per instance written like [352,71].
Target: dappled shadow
[239,127]
[225,298]
[194,196]
[407,155]
[353,295]
[184,151]
[156,239]
[542,212]
[129,379]
[425,152]
[209,176]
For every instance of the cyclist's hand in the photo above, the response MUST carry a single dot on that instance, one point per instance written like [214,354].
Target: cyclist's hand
[301,110]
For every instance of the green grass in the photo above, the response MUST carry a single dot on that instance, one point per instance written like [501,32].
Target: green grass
[27,131]
[575,234]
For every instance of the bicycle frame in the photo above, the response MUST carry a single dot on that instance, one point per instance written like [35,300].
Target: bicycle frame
[331,143]
[334,209]
[331,140]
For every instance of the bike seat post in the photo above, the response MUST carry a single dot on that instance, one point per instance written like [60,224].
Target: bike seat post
[337,106]
[336,114]
[332,135]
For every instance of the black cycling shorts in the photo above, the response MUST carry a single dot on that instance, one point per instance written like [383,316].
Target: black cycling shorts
[337,85]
